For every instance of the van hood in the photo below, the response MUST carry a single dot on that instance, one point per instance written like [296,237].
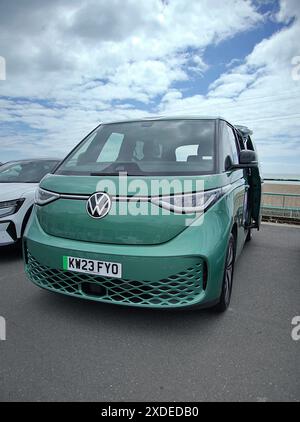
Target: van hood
[67,216]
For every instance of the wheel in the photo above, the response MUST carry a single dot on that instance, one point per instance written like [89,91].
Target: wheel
[249,235]
[228,277]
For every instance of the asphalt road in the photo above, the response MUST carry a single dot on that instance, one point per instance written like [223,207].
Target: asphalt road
[60,348]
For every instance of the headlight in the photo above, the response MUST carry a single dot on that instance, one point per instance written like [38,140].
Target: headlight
[190,202]
[10,207]
[43,197]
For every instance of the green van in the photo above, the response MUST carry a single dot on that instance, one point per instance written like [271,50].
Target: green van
[148,213]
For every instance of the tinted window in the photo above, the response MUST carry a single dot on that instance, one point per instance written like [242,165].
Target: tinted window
[229,147]
[111,148]
[166,147]
[240,140]
[249,144]
[25,171]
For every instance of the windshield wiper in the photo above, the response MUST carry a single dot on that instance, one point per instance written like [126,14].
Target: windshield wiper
[103,173]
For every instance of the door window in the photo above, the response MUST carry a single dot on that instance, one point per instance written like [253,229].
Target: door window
[229,147]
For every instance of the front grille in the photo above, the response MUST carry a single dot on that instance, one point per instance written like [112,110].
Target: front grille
[175,290]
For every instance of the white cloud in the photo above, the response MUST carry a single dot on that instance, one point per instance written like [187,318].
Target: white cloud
[70,63]
[52,46]
[230,84]
[261,93]
[289,9]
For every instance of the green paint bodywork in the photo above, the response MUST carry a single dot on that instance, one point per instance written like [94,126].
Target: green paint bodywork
[151,249]
[86,185]
[62,218]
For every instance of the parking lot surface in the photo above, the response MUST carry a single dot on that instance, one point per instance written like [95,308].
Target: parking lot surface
[61,348]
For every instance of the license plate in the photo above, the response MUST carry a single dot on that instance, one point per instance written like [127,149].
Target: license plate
[91,266]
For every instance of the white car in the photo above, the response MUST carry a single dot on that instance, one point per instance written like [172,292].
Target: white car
[18,183]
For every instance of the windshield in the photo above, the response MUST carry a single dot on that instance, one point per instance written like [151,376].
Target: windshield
[166,147]
[25,171]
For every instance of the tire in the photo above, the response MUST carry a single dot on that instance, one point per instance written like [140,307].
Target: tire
[249,235]
[227,277]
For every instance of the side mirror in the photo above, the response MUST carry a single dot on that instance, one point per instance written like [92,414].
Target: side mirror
[247,158]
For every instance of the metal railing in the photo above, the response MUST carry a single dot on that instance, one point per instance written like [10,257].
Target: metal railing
[283,205]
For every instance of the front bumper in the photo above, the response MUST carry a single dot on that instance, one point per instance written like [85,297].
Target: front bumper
[180,289]
[12,226]
[168,275]
[8,233]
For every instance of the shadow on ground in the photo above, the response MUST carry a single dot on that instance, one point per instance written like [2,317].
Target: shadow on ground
[89,313]
[10,253]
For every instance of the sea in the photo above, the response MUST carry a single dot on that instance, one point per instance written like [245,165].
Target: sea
[282,178]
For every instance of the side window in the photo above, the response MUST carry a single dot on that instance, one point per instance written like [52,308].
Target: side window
[240,141]
[249,144]
[229,146]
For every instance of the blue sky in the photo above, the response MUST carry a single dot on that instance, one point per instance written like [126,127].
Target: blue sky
[70,65]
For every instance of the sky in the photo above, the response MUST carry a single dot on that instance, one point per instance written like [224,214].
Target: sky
[68,65]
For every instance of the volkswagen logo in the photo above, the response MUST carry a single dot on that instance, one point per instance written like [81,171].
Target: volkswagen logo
[98,205]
